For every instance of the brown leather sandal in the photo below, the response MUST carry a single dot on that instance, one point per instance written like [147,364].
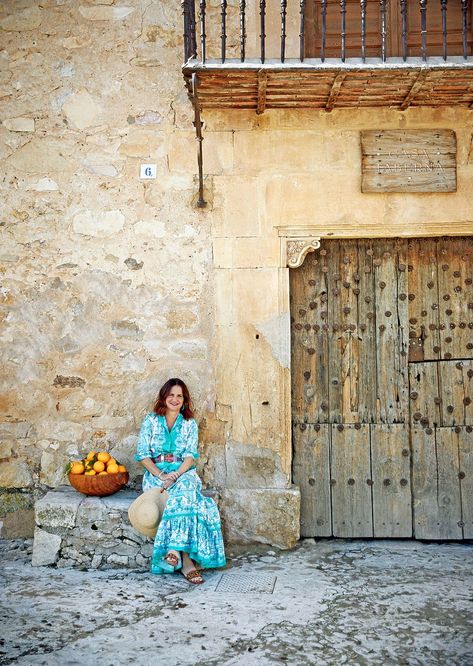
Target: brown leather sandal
[172,559]
[193,576]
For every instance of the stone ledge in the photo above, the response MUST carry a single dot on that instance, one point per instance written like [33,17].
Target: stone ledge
[74,530]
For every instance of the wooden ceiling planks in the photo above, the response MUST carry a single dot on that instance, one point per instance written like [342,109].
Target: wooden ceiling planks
[261,88]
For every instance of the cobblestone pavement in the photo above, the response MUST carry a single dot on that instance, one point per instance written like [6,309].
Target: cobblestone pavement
[333,602]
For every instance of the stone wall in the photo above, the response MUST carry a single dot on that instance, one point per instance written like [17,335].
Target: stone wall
[110,284]
[88,532]
[105,283]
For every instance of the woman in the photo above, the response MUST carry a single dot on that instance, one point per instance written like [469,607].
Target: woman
[189,535]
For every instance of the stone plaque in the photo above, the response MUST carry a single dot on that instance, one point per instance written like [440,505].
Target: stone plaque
[409,161]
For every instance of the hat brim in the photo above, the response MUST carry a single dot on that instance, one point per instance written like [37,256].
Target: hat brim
[146,511]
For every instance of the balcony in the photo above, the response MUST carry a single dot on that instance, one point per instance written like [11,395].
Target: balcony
[328,54]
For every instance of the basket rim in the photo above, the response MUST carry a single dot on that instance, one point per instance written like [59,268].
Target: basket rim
[98,485]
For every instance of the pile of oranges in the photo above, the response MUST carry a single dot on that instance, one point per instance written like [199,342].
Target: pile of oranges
[95,464]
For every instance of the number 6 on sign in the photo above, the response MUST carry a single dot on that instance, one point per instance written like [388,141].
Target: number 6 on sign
[148,171]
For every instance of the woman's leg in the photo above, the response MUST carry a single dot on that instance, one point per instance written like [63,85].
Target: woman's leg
[189,570]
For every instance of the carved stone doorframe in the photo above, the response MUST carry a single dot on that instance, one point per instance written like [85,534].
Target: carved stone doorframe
[295,245]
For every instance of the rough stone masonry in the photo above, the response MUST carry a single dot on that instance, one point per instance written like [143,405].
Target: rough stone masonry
[104,277]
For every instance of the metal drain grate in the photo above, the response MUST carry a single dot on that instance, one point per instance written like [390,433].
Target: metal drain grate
[244,583]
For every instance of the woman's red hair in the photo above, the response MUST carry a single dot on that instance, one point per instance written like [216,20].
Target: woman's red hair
[165,390]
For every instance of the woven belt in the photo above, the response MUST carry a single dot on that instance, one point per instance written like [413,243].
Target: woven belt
[167,457]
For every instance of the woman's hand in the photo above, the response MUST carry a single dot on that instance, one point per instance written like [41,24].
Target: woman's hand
[169,479]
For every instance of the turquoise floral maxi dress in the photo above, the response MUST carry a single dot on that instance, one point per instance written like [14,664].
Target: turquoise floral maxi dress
[190,521]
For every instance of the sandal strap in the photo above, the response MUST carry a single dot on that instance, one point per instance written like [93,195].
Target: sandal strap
[193,575]
[171,559]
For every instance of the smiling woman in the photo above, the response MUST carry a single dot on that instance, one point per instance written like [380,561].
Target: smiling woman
[189,534]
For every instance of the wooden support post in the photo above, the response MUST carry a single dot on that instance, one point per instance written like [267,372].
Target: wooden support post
[416,86]
[335,91]
[262,82]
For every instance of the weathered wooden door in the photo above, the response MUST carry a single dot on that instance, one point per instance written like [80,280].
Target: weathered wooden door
[382,380]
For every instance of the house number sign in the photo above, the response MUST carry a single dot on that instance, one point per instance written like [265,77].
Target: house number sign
[409,161]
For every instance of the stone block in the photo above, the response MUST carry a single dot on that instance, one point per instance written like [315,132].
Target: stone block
[243,357]
[237,206]
[42,156]
[91,511]
[190,349]
[14,430]
[182,152]
[15,474]
[253,467]
[26,19]
[46,548]
[255,294]
[58,509]
[120,501]
[296,151]
[276,331]
[142,561]
[53,468]
[265,515]
[117,560]
[12,501]
[141,143]
[59,431]
[132,535]
[96,561]
[98,223]
[106,13]
[124,452]
[17,524]
[223,294]
[120,548]
[246,252]
[43,185]
[19,124]
[6,447]
[336,195]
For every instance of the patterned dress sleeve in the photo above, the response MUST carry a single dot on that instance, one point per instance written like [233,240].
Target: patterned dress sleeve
[143,450]
[191,434]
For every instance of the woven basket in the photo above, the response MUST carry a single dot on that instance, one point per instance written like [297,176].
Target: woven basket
[100,486]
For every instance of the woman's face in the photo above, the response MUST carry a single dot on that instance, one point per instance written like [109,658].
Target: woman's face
[174,399]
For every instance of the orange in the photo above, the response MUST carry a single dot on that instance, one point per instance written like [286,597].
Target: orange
[90,472]
[103,456]
[99,466]
[110,461]
[112,468]
[91,455]
[77,467]
[121,468]
[102,473]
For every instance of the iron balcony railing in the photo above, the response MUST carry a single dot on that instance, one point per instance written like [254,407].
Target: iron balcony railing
[228,27]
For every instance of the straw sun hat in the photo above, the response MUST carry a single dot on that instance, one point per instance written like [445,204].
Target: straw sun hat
[146,511]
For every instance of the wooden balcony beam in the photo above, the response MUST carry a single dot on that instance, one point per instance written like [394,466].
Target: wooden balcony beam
[335,90]
[416,86]
[262,83]
[335,87]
